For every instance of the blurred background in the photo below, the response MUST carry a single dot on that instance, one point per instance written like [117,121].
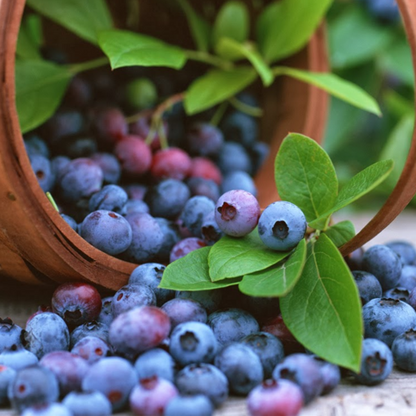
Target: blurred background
[368,46]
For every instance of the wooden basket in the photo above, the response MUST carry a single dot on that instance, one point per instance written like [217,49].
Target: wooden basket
[38,247]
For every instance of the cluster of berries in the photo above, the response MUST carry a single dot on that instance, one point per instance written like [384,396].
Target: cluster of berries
[118,184]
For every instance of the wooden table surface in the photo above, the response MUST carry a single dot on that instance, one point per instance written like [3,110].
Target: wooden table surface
[395,396]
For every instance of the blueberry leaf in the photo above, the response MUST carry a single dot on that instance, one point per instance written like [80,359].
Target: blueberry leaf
[191,273]
[341,232]
[125,48]
[28,41]
[277,280]
[232,21]
[200,29]
[232,257]
[305,176]
[230,47]
[217,86]
[285,29]
[40,87]
[84,18]
[334,85]
[360,184]
[323,311]
[348,51]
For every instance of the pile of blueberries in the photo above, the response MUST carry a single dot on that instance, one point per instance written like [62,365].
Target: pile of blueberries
[158,352]
[120,187]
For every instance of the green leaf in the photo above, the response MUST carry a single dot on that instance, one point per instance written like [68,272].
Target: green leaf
[305,176]
[323,311]
[397,148]
[26,48]
[84,18]
[215,87]
[285,29]
[230,47]
[397,60]
[232,21]
[276,280]
[33,24]
[341,232]
[231,257]
[200,29]
[40,87]
[333,84]
[360,184]
[191,273]
[346,50]
[125,48]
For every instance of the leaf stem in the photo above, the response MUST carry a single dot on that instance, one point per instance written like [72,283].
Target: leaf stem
[207,58]
[52,201]
[85,66]
[245,108]
[219,113]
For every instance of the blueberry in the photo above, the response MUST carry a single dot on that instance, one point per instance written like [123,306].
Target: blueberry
[115,377]
[141,93]
[384,10]
[36,146]
[106,314]
[76,303]
[368,285]
[205,168]
[232,157]
[151,396]
[258,154]
[385,319]
[205,379]
[209,299]
[184,247]
[405,250]
[46,332]
[109,198]
[193,342]
[355,259]
[134,155]
[71,222]
[210,231]
[204,139]
[330,373]
[237,213]
[93,403]
[194,212]
[408,277]
[282,225]
[172,162]
[204,187]
[110,166]
[269,349]
[167,198]
[43,171]
[138,330]
[404,350]
[242,367]
[399,293]
[189,406]
[69,369]
[147,238]
[384,264]
[241,128]
[107,231]
[238,180]
[376,362]
[232,324]
[108,124]
[7,375]
[171,236]
[91,349]
[47,409]
[132,296]
[155,362]
[275,397]
[78,146]
[151,275]
[90,328]
[10,335]
[133,206]
[33,385]
[304,371]
[184,310]
[79,179]
[18,359]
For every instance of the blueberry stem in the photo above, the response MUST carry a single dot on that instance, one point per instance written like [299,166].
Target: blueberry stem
[219,113]
[52,201]
[85,66]
[207,58]
[245,108]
